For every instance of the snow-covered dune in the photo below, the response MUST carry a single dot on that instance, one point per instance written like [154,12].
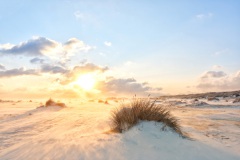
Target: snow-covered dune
[81,131]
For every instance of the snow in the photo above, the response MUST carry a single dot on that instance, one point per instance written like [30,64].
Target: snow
[81,131]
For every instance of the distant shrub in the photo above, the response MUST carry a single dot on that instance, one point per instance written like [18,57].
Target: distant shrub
[60,104]
[50,102]
[130,114]
[100,101]
[236,100]
[212,99]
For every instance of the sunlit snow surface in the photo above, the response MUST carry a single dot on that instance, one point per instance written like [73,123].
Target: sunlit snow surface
[80,131]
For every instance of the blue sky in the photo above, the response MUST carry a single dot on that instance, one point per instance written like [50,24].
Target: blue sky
[169,44]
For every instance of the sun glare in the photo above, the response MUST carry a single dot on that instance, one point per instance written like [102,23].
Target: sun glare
[86,81]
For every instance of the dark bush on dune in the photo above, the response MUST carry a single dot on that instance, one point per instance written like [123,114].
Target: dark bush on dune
[50,102]
[195,100]
[100,101]
[130,114]
[212,99]
[237,100]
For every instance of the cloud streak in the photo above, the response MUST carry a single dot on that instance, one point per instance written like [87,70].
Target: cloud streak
[217,67]
[109,86]
[122,86]
[68,74]
[106,43]
[73,74]
[37,60]
[219,81]
[87,18]
[203,16]
[2,67]
[18,72]
[46,68]
[41,46]
[213,74]
[36,46]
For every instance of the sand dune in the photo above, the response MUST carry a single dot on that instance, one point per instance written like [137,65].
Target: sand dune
[80,131]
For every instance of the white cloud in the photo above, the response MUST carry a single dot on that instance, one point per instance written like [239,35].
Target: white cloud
[126,86]
[204,16]
[47,68]
[6,46]
[216,67]
[18,72]
[74,73]
[2,67]
[87,18]
[74,46]
[37,60]
[213,74]
[33,47]
[41,46]
[219,81]
[79,15]
[109,44]
[102,54]
[106,85]
[221,52]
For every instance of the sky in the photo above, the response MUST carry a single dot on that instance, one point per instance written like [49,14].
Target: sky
[128,47]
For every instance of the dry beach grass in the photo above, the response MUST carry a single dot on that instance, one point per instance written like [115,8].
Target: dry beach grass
[130,114]
[51,102]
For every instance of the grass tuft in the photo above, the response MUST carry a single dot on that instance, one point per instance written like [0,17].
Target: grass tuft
[128,115]
[51,102]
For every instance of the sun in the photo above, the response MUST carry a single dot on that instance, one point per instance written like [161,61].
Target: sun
[86,81]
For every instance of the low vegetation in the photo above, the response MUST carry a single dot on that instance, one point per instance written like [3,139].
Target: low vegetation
[212,99]
[51,102]
[205,95]
[102,101]
[237,100]
[138,110]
